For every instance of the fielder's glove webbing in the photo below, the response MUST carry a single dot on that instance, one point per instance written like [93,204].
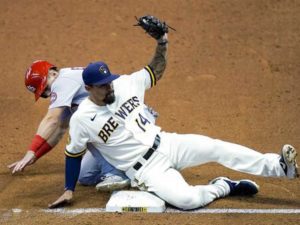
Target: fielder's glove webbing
[153,26]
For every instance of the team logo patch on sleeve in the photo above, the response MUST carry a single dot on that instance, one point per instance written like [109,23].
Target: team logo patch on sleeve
[53,97]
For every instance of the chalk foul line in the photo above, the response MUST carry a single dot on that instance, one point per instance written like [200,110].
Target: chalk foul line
[171,210]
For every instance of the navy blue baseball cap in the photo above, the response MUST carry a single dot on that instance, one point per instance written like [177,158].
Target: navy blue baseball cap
[97,73]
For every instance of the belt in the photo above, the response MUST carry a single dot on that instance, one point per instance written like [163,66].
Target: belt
[148,154]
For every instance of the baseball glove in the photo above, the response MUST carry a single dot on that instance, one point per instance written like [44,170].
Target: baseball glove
[153,26]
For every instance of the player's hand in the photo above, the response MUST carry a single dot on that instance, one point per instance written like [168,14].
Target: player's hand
[63,200]
[19,166]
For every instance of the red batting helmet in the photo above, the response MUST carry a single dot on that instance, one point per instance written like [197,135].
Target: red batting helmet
[36,77]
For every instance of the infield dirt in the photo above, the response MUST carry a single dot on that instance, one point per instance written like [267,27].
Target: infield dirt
[232,74]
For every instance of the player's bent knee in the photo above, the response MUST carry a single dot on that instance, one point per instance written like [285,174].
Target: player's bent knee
[86,181]
[188,202]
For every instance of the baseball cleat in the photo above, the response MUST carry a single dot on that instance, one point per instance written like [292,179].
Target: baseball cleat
[239,187]
[112,183]
[288,161]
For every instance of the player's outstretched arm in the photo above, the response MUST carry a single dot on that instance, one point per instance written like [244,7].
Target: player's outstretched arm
[159,61]
[71,176]
[31,156]
[50,131]
[158,30]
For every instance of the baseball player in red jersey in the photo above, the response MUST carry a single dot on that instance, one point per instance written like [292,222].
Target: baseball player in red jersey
[113,120]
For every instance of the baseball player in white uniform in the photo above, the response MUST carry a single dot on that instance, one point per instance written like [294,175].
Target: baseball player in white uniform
[113,120]
[66,90]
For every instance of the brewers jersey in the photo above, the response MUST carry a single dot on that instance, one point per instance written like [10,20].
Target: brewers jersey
[122,131]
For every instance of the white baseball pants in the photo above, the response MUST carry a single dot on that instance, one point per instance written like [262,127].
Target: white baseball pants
[160,173]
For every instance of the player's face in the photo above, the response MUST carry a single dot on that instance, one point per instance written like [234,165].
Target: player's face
[52,75]
[102,93]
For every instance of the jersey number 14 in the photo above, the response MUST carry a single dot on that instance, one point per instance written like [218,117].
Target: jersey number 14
[141,122]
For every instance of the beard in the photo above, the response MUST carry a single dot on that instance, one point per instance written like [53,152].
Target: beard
[109,98]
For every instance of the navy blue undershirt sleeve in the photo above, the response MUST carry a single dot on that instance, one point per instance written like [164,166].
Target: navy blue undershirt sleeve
[72,172]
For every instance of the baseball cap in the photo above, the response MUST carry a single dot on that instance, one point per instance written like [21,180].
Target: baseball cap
[97,73]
